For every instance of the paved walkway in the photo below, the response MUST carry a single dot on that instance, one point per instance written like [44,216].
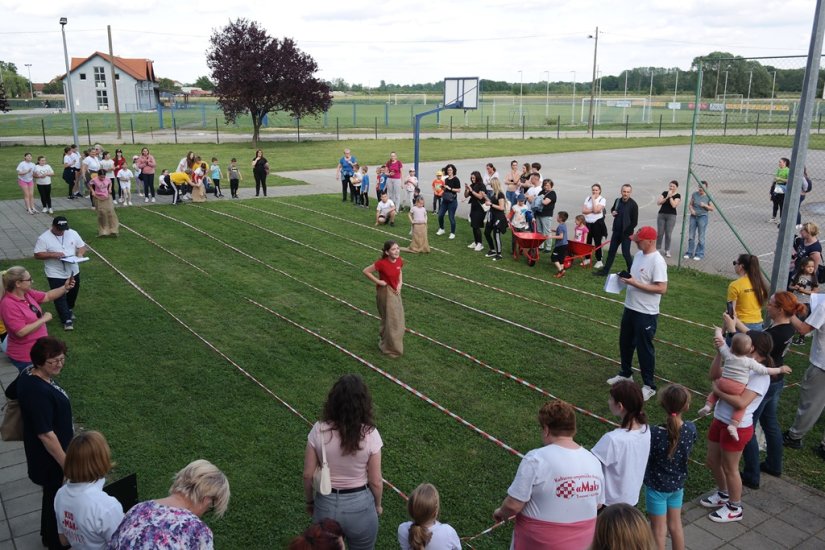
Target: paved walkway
[782,514]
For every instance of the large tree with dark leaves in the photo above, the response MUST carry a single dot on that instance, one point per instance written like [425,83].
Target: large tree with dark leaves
[256,74]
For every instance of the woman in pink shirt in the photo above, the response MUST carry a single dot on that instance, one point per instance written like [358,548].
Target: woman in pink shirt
[352,446]
[21,313]
[146,164]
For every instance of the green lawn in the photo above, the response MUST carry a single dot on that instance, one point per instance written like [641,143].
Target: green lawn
[166,372]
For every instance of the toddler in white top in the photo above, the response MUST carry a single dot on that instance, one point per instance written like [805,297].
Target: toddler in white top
[425,531]
[735,373]
[409,189]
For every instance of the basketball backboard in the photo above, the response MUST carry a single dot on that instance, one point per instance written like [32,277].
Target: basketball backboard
[461,93]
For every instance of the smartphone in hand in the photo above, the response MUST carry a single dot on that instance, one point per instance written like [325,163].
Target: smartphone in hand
[729,309]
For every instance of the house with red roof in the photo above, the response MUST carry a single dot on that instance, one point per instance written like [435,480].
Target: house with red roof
[91,77]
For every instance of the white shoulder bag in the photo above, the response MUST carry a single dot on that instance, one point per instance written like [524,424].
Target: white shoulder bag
[321,481]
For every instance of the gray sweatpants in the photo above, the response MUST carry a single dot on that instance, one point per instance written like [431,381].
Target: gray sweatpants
[664,229]
[811,403]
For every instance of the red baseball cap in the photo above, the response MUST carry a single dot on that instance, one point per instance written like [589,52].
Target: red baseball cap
[645,233]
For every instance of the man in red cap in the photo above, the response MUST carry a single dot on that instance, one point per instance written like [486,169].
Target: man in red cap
[645,286]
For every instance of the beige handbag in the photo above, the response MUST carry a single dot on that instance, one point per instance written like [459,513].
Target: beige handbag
[321,481]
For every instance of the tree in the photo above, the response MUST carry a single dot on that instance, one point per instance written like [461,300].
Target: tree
[255,73]
[168,85]
[54,87]
[204,83]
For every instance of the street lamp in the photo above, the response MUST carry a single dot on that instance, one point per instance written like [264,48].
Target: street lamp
[520,98]
[547,96]
[773,89]
[675,90]
[63,22]
[573,109]
[725,95]
[650,100]
[748,104]
[29,68]
[593,83]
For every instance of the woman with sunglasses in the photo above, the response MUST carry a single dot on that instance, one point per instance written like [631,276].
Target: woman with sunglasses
[21,313]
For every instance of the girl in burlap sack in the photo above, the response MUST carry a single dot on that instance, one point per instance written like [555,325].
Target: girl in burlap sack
[418,220]
[388,298]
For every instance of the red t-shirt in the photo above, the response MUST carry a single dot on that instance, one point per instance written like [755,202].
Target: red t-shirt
[389,271]
[394,168]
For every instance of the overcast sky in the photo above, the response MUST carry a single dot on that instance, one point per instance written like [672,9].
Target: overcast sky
[405,41]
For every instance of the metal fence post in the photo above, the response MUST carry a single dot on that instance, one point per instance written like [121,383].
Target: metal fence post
[43,127]
[337,135]
[376,127]
[132,127]
[757,123]
[451,126]
[790,115]
[298,124]
[558,126]
[175,128]
[626,122]
[660,125]
[819,123]
[593,127]
[88,132]
[386,116]
[523,122]
[488,126]
[725,124]
[217,132]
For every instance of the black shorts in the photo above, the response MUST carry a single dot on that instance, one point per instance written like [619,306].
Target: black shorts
[559,253]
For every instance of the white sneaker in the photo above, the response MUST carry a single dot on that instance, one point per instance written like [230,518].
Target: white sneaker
[140,193]
[439,232]
[772,220]
[452,235]
[618,378]
[648,392]
[130,203]
[471,245]
[697,258]
[479,247]
[667,253]
[146,199]
[713,501]
[153,199]
[120,201]
[598,265]
[45,209]
[686,256]
[586,261]
[726,514]
[51,211]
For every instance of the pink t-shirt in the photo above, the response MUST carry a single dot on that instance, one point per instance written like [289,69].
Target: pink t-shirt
[346,471]
[100,187]
[17,314]
[394,169]
[419,214]
[580,233]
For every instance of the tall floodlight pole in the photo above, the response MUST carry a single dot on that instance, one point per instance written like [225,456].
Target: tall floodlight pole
[650,100]
[29,68]
[520,97]
[593,83]
[716,91]
[675,91]
[547,95]
[773,90]
[573,110]
[625,93]
[725,95]
[748,104]
[63,22]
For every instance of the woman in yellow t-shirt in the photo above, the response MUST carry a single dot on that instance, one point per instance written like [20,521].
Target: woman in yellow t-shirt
[749,292]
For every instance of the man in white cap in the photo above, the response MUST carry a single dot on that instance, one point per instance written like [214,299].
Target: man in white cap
[646,283]
[56,246]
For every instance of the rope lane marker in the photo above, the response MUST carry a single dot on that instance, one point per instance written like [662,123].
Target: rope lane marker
[562,310]
[220,353]
[187,262]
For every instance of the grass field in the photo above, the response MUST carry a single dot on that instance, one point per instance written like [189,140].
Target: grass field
[168,342]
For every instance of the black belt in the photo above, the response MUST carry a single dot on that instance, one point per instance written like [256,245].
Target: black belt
[348,491]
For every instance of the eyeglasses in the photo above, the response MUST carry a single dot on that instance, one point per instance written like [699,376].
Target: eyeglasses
[55,360]
[26,280]
[35,310]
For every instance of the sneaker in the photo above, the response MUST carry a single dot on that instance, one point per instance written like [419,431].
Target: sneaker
[68,325]
[45,209]
[140,193]
[715,500]
[648,392]
[490,253]
[686,256]
[51,211]
[452,235]
[479,247]
[559,275]
[472,245]
[772,220]
[704,411]
[153,199]
[697,258]
[667,253]
[790,442]
[130,203]
[120,201]
[799,341]
[598,265]
[618,378]
[497,257]
[146,199]
[439,232]
[585,262]
[726,514]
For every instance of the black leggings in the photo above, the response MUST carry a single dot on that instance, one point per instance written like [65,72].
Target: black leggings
[148,184]
[596,234]
[69,177]
[778,200]
[260,182]
[233,187]
[45,192]
[493,237]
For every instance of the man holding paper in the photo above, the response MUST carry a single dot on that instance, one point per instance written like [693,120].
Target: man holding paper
[646,283]
[62,249]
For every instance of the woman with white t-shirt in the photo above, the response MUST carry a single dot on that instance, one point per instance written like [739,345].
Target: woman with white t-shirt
[425,532]
[557,489]
[723,451]
[593,210]
[93,516]
[352,444]
[25,179]
[624,451]
[43,178]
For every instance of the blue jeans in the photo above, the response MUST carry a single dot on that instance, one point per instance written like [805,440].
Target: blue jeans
[697,224]
[355,512]
[765,414]
[447,208]
[636,334]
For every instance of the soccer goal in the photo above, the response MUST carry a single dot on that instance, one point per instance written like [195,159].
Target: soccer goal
[407,99]
[608,110]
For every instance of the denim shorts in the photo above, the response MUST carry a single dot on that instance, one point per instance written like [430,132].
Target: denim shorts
[658,503]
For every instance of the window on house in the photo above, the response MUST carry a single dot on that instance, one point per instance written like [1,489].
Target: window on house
[102,100]
[100,77]
[82,76]
[117,76]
